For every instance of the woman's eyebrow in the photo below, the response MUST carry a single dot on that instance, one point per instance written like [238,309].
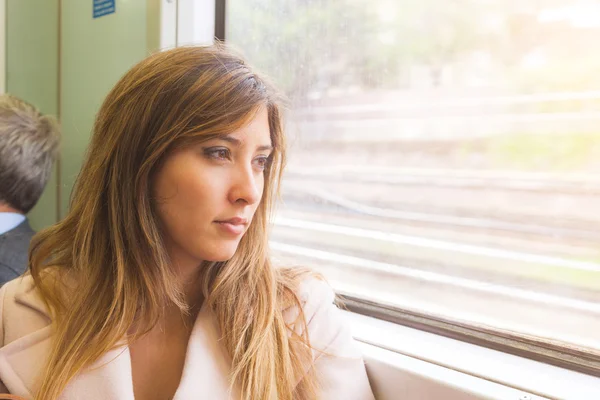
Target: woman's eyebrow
[238,143]
[264,148]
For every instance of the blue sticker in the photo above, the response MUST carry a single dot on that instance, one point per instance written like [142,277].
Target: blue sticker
[103,7]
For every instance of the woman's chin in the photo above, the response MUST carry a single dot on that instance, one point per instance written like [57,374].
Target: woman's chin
[214,250]
[221,255]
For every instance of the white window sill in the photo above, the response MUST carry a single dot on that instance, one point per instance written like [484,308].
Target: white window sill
[408,363]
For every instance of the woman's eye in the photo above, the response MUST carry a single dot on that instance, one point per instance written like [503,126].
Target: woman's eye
[263,162]
[218,154]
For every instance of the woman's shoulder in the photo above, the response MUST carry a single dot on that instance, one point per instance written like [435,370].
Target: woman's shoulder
[325,324]
[304,285]
[15,289]
[312,295]
[22,309]
[314,292]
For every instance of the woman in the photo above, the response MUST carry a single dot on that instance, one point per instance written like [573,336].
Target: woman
[158,284]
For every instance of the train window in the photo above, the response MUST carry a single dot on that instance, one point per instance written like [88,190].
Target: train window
[444,161]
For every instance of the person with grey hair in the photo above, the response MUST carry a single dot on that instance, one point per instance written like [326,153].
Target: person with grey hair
[28,147]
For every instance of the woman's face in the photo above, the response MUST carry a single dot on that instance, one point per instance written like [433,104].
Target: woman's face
[207,194]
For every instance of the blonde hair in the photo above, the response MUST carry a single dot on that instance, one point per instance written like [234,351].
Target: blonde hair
[111,245]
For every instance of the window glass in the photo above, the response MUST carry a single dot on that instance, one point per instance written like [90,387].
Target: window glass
[444,154]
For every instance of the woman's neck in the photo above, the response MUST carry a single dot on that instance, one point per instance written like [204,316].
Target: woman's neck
[188,275]
[192,291]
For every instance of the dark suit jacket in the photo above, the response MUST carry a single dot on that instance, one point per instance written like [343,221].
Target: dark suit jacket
[14,246]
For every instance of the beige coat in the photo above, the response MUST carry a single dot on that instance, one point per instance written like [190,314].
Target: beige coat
[26,338]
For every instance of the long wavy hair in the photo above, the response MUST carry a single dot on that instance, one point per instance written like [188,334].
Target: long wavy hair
[108,254]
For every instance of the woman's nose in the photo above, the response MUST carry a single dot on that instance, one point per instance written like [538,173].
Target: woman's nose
[247,186]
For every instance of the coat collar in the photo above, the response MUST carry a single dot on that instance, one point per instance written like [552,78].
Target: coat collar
[205,374]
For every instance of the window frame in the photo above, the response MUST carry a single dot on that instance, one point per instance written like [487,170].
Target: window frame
[407,360]
[537,349]
[220,19]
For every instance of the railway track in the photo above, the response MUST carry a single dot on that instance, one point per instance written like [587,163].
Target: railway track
[314,199]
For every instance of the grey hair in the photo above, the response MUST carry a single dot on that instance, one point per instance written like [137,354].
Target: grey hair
[28,147]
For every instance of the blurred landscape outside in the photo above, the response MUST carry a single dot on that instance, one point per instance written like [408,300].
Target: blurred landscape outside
[444,154]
